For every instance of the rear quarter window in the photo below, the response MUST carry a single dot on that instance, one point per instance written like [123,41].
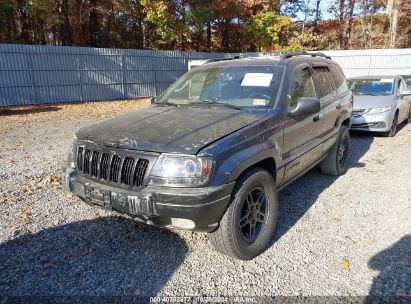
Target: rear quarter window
[339,79]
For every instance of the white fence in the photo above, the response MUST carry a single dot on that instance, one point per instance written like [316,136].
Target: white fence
[367,62]
[373,62]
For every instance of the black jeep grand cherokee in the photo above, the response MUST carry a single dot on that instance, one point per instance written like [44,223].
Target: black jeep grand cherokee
[211,152]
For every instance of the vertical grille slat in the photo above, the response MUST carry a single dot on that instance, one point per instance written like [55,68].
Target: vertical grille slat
[80,160]
[112,168]
[94,163]
[140,172]
[126,171]
[87,155]
[100,155]
[115,168]
[104,165]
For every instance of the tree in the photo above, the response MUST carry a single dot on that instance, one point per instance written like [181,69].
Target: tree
[265,29]
[207,25]
[344,11]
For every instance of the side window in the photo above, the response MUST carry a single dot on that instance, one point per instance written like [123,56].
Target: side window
[402,86]
[339,79]
[303,87]
[322,81]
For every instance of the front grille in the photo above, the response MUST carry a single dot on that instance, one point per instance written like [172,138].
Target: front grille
[369,125]
[358,112]
[112,168]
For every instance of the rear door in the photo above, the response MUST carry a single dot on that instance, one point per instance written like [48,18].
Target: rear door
[323,80]
[301,135]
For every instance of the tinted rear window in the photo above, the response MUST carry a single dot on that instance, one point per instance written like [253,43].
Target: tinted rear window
[339,79]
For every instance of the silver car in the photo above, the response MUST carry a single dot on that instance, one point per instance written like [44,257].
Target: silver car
[381,103]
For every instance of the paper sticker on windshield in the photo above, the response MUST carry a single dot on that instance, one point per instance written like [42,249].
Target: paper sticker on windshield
[389,80]
[259,102]
[257,80]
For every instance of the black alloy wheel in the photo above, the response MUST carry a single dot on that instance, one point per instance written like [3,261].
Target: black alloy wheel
[248,224]
[253,214]
[343,150]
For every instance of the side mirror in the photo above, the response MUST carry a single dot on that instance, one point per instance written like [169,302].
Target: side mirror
[305,106]
[153,99]
[406,93]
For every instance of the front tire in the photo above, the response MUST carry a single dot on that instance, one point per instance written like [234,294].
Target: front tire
[249,222]
[336,162]
[393,130]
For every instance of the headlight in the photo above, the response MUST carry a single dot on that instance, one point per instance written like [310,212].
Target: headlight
[72,156]
[181,170]
[380,110]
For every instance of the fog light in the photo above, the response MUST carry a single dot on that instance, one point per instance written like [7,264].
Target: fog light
[182,223]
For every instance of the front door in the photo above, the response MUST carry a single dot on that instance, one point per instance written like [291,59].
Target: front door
[403,103]
[302,134]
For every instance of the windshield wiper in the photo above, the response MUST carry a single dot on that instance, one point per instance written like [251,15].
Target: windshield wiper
[210,102]
[370,94]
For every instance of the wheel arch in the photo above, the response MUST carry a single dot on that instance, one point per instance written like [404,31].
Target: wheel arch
[267,164]
[343,118]
[346,122]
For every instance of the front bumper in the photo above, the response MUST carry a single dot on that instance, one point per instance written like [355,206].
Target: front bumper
[376,122]
[196,209]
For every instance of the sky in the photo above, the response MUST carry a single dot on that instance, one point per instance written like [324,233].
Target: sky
[324,5]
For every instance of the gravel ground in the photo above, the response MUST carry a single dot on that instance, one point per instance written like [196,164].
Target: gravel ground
[347,236]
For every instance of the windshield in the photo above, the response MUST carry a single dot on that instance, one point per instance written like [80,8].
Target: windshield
[372,86]
[236,86]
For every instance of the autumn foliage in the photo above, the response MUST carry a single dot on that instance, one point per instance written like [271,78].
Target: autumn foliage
[208,25]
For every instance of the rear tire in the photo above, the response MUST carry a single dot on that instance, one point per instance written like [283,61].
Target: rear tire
[393,130]
[337,159]
[409,117]
[249,222]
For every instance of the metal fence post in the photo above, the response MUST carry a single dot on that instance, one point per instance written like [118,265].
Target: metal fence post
[80,70]
[32,78]
[122,76]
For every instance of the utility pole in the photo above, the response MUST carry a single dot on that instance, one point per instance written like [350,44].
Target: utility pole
[392,13]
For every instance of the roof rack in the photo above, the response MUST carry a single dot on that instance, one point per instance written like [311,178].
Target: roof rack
[222,59]
[240,56]
[303,53]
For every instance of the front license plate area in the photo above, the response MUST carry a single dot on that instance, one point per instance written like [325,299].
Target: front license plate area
[130,204]
[98,197]
[117,201]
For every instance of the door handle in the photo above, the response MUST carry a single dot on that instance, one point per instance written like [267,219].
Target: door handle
[338,106]
[316,118]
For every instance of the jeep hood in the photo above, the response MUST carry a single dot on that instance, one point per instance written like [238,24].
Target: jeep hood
[168,129]
[370,101]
